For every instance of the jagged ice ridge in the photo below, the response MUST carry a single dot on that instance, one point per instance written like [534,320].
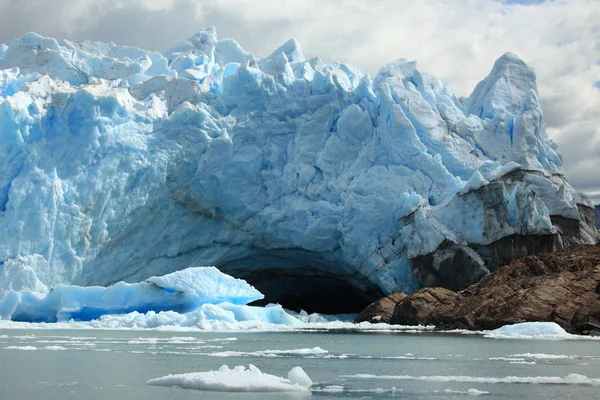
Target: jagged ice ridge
[119,163]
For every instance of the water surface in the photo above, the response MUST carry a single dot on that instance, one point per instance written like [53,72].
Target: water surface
[98,364]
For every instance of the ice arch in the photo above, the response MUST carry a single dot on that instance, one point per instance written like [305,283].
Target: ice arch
[303,280]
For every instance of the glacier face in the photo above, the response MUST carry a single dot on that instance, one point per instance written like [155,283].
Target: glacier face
[120,163]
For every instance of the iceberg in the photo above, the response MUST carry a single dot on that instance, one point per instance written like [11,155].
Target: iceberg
[534,330]
[180,292]
[222,317]
[323,187]
[238,379]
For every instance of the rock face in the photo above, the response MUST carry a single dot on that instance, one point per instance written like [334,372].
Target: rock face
[597,214]
[561,287]
[304,177]
[380,310]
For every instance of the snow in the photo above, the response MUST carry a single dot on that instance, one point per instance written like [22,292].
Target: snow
[181,291]
[238,379]
[118,163]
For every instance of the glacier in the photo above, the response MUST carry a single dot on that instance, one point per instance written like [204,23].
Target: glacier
[321,186]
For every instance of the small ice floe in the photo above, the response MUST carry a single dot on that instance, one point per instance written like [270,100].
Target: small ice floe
[571,379]
[553,357]
[470,392]
[514,359]
[25,348]
[238,379]
[535,330]
[342,389]
[55,348]
[271,353]
[227,339]
[332,389]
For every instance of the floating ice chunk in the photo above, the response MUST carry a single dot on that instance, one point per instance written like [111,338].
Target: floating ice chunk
[273,314]
[571,379]
[219,317]
[181,291]
[470,392]
[207,285]
[55,348]
[299,377]
[531,330]
[541,356]
[237,379]
[333,389]
[265,319]
[272,353]
[342,389]
[25,348]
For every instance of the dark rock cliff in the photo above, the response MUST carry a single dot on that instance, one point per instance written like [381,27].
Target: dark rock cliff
[561,287]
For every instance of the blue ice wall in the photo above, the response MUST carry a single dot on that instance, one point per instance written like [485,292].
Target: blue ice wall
[119,163]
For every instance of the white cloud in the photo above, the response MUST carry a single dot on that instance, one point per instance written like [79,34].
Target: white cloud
[456,40]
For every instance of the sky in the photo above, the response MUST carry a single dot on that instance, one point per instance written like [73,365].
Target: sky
[455,40]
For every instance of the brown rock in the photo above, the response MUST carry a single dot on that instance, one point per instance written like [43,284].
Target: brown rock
[380,310]
[423,305]
[596,273]
[560,287]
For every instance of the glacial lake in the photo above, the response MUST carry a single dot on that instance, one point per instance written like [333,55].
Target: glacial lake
[103,364]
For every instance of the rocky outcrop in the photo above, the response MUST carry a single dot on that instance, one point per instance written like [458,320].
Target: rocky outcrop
[597,215]
[561,287]
[380,310]
[456,265]
[423,306]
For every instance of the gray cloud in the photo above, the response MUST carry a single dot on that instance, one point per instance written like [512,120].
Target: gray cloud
[456,41]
